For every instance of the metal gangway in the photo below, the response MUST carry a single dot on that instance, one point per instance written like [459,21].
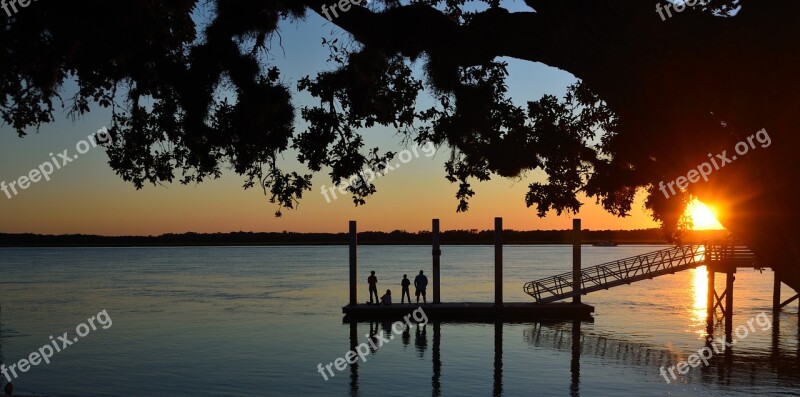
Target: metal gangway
[640,267]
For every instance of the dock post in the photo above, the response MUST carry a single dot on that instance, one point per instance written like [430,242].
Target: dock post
[576,260]
[710,302]
[437,253]
[353,263]
[498,262]
[776,293]
[729,305]
[710,290]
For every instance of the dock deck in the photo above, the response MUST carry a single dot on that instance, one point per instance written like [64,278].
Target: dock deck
[472,311]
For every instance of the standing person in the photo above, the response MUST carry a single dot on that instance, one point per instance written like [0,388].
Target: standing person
[420,283]
[373,287]
[405,283]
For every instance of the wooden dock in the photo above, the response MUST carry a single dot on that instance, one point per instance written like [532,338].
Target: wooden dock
[497,311]
[472,311]
[724,257]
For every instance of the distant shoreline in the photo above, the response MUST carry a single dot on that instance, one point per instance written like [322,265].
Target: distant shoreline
[251,239]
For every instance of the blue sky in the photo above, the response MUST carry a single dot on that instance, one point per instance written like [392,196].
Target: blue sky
[86,196]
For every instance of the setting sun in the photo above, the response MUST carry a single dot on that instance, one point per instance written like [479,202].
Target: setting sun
[703,216]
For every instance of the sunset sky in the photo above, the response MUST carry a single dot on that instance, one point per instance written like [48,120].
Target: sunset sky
[87,197]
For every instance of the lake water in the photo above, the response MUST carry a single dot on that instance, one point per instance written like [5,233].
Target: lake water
[257,321]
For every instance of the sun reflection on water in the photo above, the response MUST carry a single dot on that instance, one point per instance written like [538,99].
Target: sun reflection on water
[700,290]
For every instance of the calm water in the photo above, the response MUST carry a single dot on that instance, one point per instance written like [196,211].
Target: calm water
[257,321]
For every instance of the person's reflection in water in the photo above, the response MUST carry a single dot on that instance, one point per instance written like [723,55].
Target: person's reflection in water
[387,330]
[373,339]
[421,340]
[406,335]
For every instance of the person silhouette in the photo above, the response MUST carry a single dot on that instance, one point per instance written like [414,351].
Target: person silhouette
[373,287]
[420,283]
[405,283]
[386,299]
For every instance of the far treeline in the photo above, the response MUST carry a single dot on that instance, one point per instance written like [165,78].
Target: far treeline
[642,236]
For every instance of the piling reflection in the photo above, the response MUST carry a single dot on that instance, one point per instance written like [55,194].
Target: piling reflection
[568,337]
[437,360]
[421,346]
[354,366]
[2,360]
[779,364]
[575,360]
[497,389]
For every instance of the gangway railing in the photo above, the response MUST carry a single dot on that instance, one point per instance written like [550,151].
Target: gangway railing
[637,268]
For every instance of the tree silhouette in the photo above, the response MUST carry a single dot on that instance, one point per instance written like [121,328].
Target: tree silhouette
[656,97]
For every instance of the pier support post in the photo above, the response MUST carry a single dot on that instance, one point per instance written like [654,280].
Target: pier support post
[729,305]
[576,260]
[777,305]
[437,253]
[711,302]
[776,293]
[498,262]
[353,263]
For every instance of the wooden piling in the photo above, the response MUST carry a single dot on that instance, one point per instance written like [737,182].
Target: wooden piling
[776,293]
[353,263]
[498,262]
[729,304]
[437,253]
[710,302]
[576,260]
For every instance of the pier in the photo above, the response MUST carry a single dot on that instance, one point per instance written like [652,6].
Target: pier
[499,310]
[548,293]
[472,311]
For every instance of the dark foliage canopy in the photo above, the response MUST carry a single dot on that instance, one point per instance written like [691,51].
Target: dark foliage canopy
[654,97]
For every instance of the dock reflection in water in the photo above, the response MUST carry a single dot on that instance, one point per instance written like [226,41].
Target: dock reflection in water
[779,364]
[420,346]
